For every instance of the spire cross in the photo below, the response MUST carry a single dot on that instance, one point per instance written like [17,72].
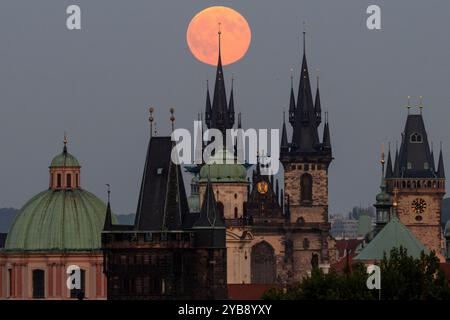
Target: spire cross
[108,191]
[304,36]
[220,34]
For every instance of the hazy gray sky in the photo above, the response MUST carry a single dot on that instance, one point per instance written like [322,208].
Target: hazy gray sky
[97,84]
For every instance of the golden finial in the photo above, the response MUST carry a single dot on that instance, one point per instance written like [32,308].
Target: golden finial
[394,203]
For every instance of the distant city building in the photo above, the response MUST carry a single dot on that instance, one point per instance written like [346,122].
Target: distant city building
[57,228]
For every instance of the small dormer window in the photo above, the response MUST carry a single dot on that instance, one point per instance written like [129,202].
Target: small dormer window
[159,170]
[409,165]
[426,166]
[416,138]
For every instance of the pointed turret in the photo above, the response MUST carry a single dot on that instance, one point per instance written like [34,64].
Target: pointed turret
[396,165]
[284,148]
[108,218]
[208,106]
[210,226]
[326,134]
[292,105]
[441,171]
[389,171]
[317,106]
[231,104]
[433,163]
[209,213]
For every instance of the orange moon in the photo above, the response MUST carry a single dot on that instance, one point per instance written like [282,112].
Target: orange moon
[202,35]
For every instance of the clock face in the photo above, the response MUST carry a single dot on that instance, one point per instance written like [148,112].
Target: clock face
[263,187]
[419,205]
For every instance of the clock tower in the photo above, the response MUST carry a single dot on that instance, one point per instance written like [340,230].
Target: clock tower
[418,187]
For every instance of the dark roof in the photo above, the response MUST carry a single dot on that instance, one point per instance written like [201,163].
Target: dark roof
[347,246]
[162,201]
[2,239]
[248,291]
[415,159]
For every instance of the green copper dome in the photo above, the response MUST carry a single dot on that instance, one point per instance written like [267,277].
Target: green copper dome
[64,159]
[58,220]
[219,171]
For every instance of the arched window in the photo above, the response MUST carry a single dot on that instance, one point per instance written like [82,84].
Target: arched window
[38,284]
[235,212]
[69,180]
[77,181]
[306,183]
[416,138]
[58,180]
[78,293]
[263,263]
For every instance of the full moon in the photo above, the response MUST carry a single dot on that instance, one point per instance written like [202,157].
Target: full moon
[202,35]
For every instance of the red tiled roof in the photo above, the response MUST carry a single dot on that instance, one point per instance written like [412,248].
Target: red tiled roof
[347,244]
[340,265]
[248,291]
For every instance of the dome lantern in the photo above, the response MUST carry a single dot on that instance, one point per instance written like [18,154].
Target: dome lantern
[64,171]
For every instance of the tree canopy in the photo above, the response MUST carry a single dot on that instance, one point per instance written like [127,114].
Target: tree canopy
[402,278]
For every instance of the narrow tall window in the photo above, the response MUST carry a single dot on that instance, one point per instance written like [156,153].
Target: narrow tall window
[38,284]
[77,181]
[306,182]
[58,180]
[69,180]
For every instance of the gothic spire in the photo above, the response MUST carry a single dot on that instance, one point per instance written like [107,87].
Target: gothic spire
[326,133]
[305,137]
[108,217]
[284,149]
[389,172]
[292,105]
[208,106]
[317,106]
[219,112]
[396,165]
[441,171]
[231,104]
